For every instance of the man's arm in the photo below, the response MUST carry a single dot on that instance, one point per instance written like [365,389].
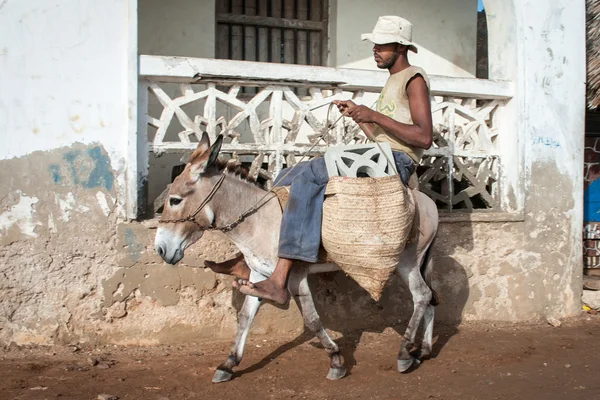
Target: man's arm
[419,134]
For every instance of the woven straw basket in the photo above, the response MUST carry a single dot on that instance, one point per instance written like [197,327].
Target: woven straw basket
[366,224]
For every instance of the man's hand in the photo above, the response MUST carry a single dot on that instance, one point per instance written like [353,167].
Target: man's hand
[344,105]
[348,107]
[360,114]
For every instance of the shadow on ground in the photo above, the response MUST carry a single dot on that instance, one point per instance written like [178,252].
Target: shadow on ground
[348,309]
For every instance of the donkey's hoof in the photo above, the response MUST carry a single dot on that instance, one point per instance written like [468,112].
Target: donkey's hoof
[336,373]
[422,354]
[405,365]
[222,375]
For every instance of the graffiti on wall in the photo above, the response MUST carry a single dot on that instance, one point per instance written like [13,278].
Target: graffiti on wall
[88,168]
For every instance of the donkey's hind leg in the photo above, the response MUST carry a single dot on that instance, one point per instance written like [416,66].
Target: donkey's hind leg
[427,344]
[298,286]
[224,371]
[409,270]
[428,317]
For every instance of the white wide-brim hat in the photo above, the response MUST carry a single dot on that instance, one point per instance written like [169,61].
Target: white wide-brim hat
[391,29]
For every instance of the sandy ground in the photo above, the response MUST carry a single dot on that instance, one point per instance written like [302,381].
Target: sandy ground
[482,361]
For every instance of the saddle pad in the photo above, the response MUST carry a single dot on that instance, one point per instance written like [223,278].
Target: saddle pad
[283,194]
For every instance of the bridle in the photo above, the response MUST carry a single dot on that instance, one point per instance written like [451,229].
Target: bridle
[192,216]
[225,228]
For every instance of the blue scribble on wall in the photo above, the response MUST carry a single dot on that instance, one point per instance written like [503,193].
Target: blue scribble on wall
[55,173]
[591,202]
[70,157]
[545,141]
[101,174]
[90,169]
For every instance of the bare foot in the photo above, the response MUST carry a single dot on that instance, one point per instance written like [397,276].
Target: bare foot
[265,290]
[236,267]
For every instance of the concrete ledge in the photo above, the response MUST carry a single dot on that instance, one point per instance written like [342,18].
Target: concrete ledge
[194,70]
[482,216]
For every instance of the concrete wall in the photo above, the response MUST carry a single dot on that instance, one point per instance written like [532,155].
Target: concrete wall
[72,270]
[530,269]
[66,117]
[551,97]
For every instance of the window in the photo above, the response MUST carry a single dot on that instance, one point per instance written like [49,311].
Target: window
[277,31]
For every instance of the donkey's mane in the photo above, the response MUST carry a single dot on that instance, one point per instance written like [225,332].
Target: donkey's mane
[237,170]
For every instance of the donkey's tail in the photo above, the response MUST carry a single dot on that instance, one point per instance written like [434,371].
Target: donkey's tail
[427,273]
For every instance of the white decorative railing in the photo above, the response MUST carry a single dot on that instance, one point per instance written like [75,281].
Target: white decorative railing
[271,113]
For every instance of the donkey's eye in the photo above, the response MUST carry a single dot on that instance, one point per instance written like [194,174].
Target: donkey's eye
[173,201]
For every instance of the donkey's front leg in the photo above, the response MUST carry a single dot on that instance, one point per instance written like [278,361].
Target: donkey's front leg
[224,371]
[298,287]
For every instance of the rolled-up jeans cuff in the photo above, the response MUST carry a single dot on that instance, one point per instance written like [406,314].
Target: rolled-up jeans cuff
[298,258]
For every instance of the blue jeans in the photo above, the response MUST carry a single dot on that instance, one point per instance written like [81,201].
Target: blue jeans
[300,233]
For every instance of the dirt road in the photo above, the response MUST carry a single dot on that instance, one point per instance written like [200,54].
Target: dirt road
[480,361]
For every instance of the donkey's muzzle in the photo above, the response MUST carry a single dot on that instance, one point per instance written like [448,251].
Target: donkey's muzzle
[160,249]
[169,258]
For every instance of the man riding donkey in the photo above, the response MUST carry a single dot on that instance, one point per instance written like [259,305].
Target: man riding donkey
[402,119]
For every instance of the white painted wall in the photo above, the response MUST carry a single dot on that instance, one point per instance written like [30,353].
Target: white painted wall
[177,27]
[445,32]
[64,76]
[551,95]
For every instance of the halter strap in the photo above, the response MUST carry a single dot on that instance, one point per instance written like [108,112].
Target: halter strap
[192,216]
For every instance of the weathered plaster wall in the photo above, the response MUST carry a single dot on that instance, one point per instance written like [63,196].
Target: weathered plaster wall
[70,270]
[64,77]
[551,94]
[56,241]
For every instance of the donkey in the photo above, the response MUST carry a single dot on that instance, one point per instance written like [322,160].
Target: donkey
[206,195]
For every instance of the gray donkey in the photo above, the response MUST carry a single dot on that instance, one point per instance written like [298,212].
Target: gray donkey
[206,195]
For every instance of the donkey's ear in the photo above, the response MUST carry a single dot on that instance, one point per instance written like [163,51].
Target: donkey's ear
[202,148]
[204,156]
[214,150]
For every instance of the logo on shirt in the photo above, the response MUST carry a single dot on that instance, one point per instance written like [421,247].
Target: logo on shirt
[388,109]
